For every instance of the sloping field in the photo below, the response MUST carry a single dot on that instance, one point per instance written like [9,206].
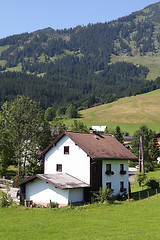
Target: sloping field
[130,113]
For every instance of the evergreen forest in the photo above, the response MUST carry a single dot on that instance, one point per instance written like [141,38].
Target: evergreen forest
[56,68]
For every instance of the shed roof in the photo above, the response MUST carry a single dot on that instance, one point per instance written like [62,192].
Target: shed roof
[96,146]
[59,180]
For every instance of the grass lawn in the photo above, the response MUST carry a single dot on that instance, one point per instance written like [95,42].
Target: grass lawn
[134,220]
[126,220]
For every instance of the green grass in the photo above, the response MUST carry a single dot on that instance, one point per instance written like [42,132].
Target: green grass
[125,220]
[130,113]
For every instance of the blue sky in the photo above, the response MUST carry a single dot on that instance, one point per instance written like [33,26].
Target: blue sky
[19,16]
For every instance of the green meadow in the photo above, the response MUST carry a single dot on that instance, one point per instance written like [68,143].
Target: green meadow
[130,220]
[123,220]
[130,113]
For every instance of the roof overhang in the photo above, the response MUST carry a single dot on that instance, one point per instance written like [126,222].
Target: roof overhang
[60,180]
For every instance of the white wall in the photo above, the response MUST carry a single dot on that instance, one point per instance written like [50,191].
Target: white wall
[40,191]
[76,195]
[117,177]
[76,163]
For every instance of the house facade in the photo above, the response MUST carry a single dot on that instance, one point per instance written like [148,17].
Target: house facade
[76,165]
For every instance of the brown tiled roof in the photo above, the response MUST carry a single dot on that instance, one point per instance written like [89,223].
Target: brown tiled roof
[96,146]
[59,180]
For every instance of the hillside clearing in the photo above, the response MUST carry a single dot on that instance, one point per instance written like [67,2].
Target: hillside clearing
[129,113]
[152,62]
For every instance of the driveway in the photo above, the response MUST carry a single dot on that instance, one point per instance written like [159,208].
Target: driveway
[132,174]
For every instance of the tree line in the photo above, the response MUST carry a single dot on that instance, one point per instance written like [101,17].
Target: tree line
[65,86]
[25,132]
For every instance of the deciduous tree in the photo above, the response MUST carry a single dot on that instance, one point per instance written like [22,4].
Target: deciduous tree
[22,122]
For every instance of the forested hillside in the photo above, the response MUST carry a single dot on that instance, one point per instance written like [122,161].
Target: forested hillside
[75,65]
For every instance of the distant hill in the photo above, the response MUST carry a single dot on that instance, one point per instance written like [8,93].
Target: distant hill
[88,65]
[129,112]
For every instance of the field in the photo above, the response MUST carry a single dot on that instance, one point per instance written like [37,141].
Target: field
[123,220]
[129,113]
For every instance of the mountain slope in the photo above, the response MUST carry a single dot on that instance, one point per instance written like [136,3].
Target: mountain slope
[80,65]
[129,112]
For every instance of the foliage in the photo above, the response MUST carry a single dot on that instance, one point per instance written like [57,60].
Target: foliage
[57,127]
[61,111]
[52,205]
[27,133]
[104,195]
[140,178]
[71,65]
[152,183]
[150,148]
[71,111]
[49,114]
[118,134]
[6,199]
[78,126]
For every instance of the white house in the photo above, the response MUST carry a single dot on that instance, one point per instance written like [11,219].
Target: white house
[75,165]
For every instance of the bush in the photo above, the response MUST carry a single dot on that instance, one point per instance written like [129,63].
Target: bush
[133,163]
[152,183]
[104,196]
[140,178]
[6,199]
[149,166]
[52,205]
[121,197]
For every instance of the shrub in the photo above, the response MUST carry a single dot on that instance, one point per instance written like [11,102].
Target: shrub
[140,178]
[152,183]
[6,199]
[104,196]
[121,197]
[149,166]
[52,205]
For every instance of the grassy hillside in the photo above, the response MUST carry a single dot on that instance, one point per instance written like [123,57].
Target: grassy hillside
[129,112]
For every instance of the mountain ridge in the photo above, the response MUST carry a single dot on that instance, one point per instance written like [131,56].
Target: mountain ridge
[84,62]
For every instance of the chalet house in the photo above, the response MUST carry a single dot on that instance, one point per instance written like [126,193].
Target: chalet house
[76,165]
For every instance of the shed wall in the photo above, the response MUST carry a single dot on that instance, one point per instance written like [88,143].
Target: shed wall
[40,191]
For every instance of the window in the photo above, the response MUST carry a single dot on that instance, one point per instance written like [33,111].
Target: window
[122,189]
[59,167]
[121,167]
[108,170]
[108,167]
[66,150]
[121,185]
[108,185]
